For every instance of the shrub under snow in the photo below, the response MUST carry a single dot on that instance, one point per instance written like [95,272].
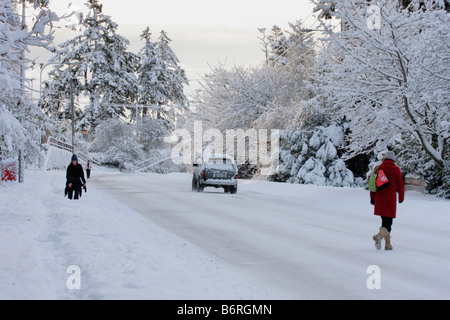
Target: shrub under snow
[311,157]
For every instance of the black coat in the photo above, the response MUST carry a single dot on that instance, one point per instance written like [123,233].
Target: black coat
[75,175]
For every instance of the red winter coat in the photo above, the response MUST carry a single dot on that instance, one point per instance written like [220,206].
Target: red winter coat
[386,199]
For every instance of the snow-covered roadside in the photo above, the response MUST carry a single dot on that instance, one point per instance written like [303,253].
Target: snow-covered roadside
[120,254]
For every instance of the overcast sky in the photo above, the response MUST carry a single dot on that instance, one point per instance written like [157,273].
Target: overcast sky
[202,31]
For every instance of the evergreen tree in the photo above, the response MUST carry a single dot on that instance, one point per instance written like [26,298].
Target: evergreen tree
[313,157]
[171,79]
[161,83]
[97,64]
[161,79]
[278,44]
[150,89]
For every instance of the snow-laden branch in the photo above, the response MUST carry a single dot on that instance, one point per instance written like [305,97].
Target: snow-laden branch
[400,71]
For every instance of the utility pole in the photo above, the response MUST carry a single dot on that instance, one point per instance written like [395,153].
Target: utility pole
[22,90]
[137,135]
[72,115]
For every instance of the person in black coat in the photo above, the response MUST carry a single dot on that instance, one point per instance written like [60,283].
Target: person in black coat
[75,178]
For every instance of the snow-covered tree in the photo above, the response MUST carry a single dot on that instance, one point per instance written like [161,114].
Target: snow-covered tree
[11,131]
[264,41]
[161,90]
[161,79]
[12,134]
[170,78]
[293,47]
[97,64]
[152,133]
[293,80]
[235,97]
[390,80]
[265,96]
[312,157]
[150,89]
[278,44]
[18,116]
[116,144]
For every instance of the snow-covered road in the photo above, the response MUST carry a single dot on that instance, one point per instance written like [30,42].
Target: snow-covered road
[306,241]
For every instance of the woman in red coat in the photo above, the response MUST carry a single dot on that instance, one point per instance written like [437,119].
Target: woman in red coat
[385,200]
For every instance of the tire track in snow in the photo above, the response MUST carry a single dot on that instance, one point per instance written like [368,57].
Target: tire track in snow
[305,248]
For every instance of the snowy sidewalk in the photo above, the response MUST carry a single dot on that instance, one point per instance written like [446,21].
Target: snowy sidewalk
[118,253]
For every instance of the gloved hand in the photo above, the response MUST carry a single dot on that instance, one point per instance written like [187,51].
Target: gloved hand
[372,201]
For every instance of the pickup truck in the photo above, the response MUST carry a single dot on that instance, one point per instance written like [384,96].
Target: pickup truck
[218,171]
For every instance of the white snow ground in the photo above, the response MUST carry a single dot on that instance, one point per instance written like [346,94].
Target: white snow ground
[156,239]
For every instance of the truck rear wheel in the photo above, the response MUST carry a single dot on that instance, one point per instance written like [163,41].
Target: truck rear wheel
[194,185]
[200,187]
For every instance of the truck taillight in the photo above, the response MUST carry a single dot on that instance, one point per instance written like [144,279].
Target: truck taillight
[203,174]
[236,176]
